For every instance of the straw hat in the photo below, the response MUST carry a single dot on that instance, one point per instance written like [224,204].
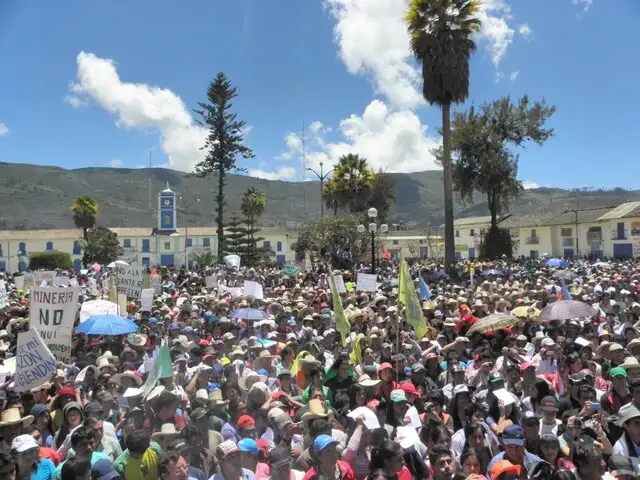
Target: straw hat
[246,381]
[128,374]
[264,360]
[104,363]
[11,416]
[137,339]
[108,356]
[309,360]
[366,382]
[316,410]
[631,363]
[167,433]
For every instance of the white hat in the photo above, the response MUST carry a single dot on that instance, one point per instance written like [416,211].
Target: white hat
[132,392]
[23,443]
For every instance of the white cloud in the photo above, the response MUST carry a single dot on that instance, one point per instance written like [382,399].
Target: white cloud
[116,163]
[528,185]
[3,129]
[525,30]
[140,106]
[284,173]
[514,75]
[584,4]
[394,140]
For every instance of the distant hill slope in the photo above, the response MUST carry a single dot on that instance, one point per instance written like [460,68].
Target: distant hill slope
[34,196]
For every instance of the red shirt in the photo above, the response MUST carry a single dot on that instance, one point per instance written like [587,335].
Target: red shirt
[346,473]
[51,454]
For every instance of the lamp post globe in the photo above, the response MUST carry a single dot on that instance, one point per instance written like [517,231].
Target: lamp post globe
[372,212]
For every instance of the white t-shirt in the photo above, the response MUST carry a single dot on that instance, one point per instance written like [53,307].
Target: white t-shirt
[552,429]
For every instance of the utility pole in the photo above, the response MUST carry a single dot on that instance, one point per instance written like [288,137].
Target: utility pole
[321,176]
[304,169]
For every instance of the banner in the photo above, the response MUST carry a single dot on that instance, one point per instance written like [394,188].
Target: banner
[253,289]
[367,282]
[232,261]
[53,313]
[35,364]
[45,276]
[339,283]
[129,280]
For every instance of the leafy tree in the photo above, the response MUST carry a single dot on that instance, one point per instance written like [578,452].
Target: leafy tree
[253,204]
[203,259]
[333,240]
[85,210]
[383,194]
[50,260]
[235,233]
[441,39]
[101,246]
[224,143]
[483,161]
[352,181]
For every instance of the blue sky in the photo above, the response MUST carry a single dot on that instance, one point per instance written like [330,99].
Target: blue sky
[100,83]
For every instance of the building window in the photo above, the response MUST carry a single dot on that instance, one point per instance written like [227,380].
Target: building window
[49,245]
[266,244]
[206,242]
[457,233]
[167,245]
[145,245]
[534,254]
[533,233]
[127,243]
[421,242]
[189,242]
[279,246]
[1,255]
[567,242]
[77,250]
[566,232]
[22,248]
[395,242]
[472,232]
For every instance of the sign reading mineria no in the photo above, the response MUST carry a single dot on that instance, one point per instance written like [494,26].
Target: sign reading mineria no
[53,313]
[129,280]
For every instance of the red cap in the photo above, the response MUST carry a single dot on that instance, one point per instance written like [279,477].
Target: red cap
[373,404]
[410,388]
[67,391]
[385,366]
[524,366]
[246,421]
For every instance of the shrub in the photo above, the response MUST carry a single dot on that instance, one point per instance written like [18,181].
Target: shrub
[51,260]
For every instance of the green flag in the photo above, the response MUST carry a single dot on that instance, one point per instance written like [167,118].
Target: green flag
[409,298]
[342,324]
[161,368]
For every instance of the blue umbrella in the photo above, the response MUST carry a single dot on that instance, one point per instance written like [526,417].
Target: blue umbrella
[555,262]
[438,274]
[107,325]
[249,314]
[492,271]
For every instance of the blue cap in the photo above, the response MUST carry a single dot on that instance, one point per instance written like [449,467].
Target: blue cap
[248,445]
[187,330]
[174,326]
[513,435]
[153,320]
[323,441]
[103,470]
[38,409]
[207,315]
[262,371]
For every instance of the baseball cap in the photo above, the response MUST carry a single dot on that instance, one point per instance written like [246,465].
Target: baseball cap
[279,457]
[385,366]
[248,445]
[226,448]
[67,391]
[417,368]
[525,365]
[246,421]
[513,435]
[503,466]
[23,443]
[323,441]
[410,388]
[398,396]
[549,404]
[495,377]
[103,470]
[617,372]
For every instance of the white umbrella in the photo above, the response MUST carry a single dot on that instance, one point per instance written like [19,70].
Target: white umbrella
[116,263]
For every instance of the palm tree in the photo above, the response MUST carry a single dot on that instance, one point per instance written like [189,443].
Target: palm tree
[353,180]
[85,210]
[441,40]
[330,196]
[253,204]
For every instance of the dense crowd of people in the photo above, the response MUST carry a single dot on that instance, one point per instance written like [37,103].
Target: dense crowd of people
[526,371]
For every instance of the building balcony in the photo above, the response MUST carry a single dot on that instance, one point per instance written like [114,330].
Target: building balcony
[619,234]
[130,249]
[533,240]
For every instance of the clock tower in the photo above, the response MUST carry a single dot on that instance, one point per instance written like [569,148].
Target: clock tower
[167,210]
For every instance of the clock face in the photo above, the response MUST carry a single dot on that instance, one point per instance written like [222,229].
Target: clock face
[167,202]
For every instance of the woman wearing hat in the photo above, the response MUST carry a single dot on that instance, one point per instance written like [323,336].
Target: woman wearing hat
[42,420]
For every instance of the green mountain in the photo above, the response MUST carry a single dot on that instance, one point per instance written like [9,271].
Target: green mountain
[33,196]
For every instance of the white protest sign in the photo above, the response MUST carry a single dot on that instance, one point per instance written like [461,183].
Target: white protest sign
[235,292]
[35,364]
[232,261]
[307,261]
[253,289]
[211,281]
[61,281]
[367,282]
[339,283]
[28,282]
[19,281]
[53,313]
[93,287]
[97,307]
[146,299]
[156,284]
[73,282]
[129,280]
[45,276]
[3,294]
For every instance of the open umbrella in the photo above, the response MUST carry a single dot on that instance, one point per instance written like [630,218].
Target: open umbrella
[566,310]
[249,314]
[566,275]
[525,311]
[555,262]
[107,325]
[492,271]
[493,323]
[116,263]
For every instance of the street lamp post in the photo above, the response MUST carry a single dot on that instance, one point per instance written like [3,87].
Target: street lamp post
[372,213]
[186,229]
[321,176]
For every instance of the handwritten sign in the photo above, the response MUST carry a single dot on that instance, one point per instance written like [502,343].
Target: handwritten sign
[232,261]
[3,294]
[146,299]
[253,289]
[156,284]
[211,281]
[129,280]
[19,281]
[339,283]
[367,282]
[97,307]
[45,276]
[35,364]
[291,269]
[53,311]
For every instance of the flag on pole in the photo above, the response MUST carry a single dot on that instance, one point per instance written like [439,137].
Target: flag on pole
[425,293]
[342,324]
[565,291]
[161,368]
[408,297]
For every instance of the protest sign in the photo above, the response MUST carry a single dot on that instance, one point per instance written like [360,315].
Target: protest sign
[28,282]
[129,280]
[3,294]
[97,307]
[19,281]
[307,261]
[339,283]
[232,261]
[53,313]
[156,284]
[122,304]
[366,282]
[291,269]
[93,287]
[45,276]
[73,282]
[211,281]
[146,300]
[61,281]
[35,364]
[235,292]
[253,289]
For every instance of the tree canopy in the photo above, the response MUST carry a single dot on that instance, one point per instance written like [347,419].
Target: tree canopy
[85,210]
[101,246]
